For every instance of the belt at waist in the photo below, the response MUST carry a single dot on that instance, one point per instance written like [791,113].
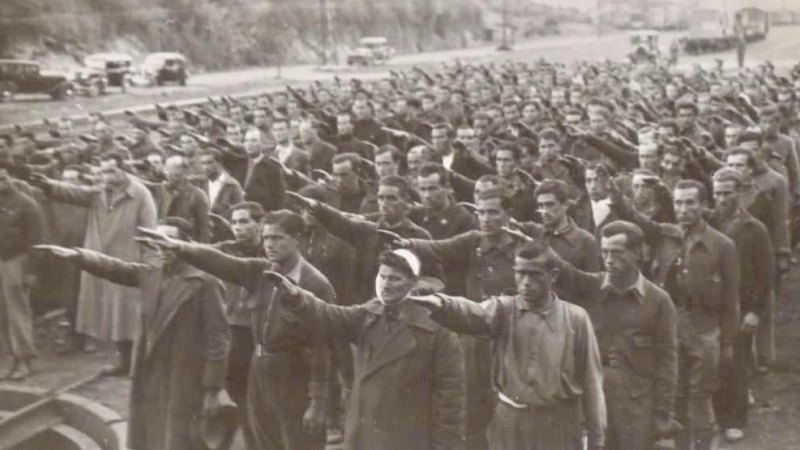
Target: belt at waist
[261,350]
[506,400]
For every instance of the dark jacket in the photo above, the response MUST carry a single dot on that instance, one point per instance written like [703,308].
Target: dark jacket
[265,185]
[276,330]
[705,279]
[408,390]
[230,194]
[187,202]
[321,153]
[181,350]
[20,224]
[335,258]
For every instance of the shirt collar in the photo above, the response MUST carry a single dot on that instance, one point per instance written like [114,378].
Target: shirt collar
[701,235]
[505,241]
[292,273]
[550,315]
[565,231]
[637,287]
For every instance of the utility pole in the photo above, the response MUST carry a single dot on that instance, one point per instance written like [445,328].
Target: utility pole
[504,44]
[323,27]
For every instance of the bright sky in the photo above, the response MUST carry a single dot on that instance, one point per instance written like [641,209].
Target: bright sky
[766,4]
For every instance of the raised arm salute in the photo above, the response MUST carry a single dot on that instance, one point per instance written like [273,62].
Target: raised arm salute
[287,388]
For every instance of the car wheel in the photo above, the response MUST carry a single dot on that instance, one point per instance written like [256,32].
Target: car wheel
[7,91]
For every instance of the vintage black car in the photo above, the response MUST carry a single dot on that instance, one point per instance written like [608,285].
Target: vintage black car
[164,67]
[28,77]
[115,66]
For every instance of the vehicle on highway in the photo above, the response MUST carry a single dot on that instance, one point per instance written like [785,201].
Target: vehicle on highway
[371,50]
[89,81]
[28,77]
[116,66]
[161,68]
[644,45]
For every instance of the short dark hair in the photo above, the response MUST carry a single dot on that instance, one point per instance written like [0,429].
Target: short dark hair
[549,134]
[702,194]
[388,258]
[535,249]
[432,168]
[515,153]
[397,156]
[396,181]
[291,222]
[556,187]
[726,174]
[750,135]
[633,233]
[496,192]
[669,123]
[751,157]
[186,229]
[114,155]
[350,157]
[256,211]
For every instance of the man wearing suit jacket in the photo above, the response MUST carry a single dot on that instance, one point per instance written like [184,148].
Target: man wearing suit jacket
[408,391]
[222,189]
[320,152]
[458,158]
[285,150]
[287,389]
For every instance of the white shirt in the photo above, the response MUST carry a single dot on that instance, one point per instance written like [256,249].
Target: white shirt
[600,210]
[447,160]
[283,152]
[214,187]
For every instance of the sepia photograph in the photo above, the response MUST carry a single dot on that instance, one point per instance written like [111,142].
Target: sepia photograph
[399,224]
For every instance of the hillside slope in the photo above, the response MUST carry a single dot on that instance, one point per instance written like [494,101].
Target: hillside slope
[230,33]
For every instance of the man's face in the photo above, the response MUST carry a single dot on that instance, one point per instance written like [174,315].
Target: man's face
[244,228]
[280,131]
[549,149]
[252,144]
[595,185]
[685,118]
[344,126]
[552,211]
[598,123]
[505,163]
[110,173]
[672,164]
[480,126]
[361,110]
[168,257]
[492,217]
[391,205]
[511,113]
[65,128]
[385,165]
[726,196]
[732,136]
[392,285]
[260,119]
[414,160]
[401,106]
[175,169]
[619,260]
[211,168]
[530,114]
[234,134]
[442,96]
[440,140]
[558,98]
[431,192]
[103,131]
[740,165]
[345,178]
[281,100]
[642,189]
[467,136]
[672,91]
[648,157]
[292,109]
[704,104]
[688,207]
[534,278]
[278,244]
[574,120]
[236,114]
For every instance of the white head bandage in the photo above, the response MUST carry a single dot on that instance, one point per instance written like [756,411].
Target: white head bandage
[411,259]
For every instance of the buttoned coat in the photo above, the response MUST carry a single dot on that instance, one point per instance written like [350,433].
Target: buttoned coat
[180,352]
[409,394]
[108,311]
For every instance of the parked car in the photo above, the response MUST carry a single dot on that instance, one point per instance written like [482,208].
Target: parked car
[371,50]
[115,66]
[28,77]
[163,67]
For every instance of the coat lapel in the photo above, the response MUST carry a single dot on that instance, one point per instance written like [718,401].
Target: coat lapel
[181,288]
[399,344]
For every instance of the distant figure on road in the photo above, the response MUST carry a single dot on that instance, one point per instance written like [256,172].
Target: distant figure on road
[741,40]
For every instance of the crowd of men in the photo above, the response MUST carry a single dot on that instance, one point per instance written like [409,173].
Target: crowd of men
[512,256]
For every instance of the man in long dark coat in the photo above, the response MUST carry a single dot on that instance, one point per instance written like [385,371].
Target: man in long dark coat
[181,351]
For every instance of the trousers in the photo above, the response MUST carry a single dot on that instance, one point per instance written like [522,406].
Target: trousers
[552,428]
[16,318]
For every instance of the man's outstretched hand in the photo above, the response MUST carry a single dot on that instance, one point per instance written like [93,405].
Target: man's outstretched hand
[428,301]
[394,239]
[57,250]
[306,203]
[157,239]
